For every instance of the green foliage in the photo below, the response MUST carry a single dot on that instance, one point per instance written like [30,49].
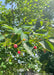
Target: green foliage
[25,21]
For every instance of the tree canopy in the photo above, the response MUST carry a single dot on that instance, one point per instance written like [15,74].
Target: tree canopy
[26,35]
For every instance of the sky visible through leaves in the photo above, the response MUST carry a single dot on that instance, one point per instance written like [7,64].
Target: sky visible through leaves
[3,3]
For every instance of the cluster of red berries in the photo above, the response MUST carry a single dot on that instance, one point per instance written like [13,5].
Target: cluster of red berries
[15,46]
[35,47]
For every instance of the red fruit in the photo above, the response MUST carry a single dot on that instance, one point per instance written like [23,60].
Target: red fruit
[19,52]
[14,56]
[44,51]
[15,45]
[35,47]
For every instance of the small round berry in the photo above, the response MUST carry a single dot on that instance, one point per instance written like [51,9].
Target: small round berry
[44,51]
[35,47]
[24,39]
[19,52]
[15,45]
[14,56]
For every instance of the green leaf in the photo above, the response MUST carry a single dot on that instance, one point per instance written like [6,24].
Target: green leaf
[48,45]
[41,31]
[24,36]
[1,72]
[51,40]
[42,43]
[36,0]
[1,37]
[4,66]
[7,42]
[17,31]
[41,22]
[28,49]
[2,63]
[0,58]
[26,26]
[10,63]
[7,27]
